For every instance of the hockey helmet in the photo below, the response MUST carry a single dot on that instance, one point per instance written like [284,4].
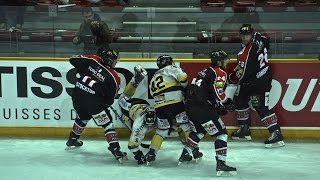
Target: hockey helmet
[246,29]
[150,115]
[108,56]
[218,58]
[164,61]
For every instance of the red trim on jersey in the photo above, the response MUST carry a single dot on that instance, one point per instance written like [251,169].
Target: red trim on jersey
[115,77]
[223,78]
[93,57]
[243,56]
[112,72]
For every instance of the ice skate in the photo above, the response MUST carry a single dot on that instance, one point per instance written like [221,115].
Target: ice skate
[150,156]
[225,170]
[243,133]
[276,140]
[73,143]
[197,155]
[139,74]
[139,157]
[185,157]
[119,155]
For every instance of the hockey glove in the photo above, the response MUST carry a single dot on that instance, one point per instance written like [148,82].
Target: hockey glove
[221,110]
[229,105]
[224,108]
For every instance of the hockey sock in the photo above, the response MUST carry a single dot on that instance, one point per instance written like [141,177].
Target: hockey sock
[243,116]
[156,142]
[111,135]
[78,127]
[192,142]
[221,147]
[270,122]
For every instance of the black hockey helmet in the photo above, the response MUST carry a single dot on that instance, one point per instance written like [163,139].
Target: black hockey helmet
[164,61]
[108,56]
[246,29]
[218,58]
[150,115]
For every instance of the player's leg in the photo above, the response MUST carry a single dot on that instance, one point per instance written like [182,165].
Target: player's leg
[191,148]
[218,129]
[242,115]
[260,102]
[79,125]
[104,120]
[162,132]
[138,132]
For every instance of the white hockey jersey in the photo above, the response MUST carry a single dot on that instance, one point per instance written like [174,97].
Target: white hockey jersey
[167,84]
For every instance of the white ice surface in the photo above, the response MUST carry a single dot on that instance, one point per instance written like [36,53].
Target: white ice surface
[24,159]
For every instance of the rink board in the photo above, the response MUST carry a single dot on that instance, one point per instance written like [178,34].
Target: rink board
[35,96]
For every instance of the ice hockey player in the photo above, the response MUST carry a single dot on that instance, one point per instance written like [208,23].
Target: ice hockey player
[94,91]
[167,87]
[253,75]
[206,102]
[138,115]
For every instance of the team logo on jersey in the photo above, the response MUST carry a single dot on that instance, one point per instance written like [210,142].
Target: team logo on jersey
[220,91]
[220,84]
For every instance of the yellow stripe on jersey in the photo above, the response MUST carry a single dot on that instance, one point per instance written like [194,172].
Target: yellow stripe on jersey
[167,103]
[134,110]
[183,77]
[166,86]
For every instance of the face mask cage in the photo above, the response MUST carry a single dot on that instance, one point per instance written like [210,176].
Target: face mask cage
[150,116]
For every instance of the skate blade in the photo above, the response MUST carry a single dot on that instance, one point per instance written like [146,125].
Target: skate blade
[275,145]
[185,162]
[149,163]
[226,173]
[71,148]
[197,160]
[246,138]
[182,163]
[121,160]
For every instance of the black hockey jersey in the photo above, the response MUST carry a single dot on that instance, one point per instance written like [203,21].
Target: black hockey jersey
[208,87]
[95,78]
[252,61]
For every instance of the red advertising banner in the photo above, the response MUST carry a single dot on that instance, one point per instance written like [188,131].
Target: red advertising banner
[295,94]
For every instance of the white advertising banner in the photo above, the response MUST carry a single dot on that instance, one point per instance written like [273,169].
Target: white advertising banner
[37,93]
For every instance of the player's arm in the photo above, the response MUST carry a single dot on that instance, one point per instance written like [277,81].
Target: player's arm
[183,79]
[224,104]
[139,74]
[236,75]
[79,62]
[179,75]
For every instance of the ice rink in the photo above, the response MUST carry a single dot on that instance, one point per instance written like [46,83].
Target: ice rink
[47,160]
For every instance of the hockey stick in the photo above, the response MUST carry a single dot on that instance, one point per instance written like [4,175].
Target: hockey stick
[119,117]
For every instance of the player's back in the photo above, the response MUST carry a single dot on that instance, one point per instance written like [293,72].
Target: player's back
[165,86]
[96,79]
